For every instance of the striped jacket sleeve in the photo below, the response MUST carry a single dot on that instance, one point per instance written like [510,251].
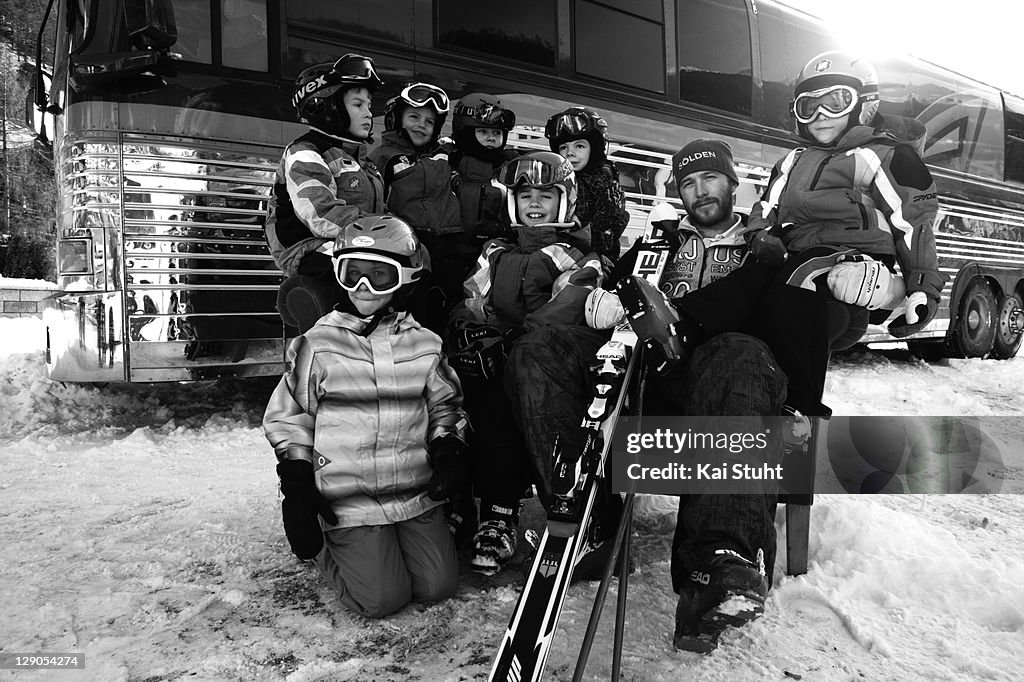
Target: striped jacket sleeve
[314,191]
[580,274]
[765,212]
[290,417]
[444,403]
[906,195]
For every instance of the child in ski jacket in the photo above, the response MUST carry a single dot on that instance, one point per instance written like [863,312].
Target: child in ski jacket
[581,136]
[524,302]
[369,432]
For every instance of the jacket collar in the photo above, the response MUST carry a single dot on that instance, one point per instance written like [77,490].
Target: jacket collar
[731,237]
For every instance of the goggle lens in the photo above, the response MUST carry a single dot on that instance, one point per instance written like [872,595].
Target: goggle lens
[833,102]
[488,113]
[568,125]
[533,172]
[355,66]
[379,276]
[422,94]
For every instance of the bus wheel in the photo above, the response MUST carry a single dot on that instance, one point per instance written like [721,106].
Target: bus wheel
[976,324]
[1009,327]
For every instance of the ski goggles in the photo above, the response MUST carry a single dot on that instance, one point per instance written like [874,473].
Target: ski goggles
[834,101]
[568,124]
[424,94]
[532,172]
[488,114]
[380,274]
[355,66]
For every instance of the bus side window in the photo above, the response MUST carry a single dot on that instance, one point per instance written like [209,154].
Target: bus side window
[1014,168]
[625,47]
[713,45]
[195,41]
[524,32]
[244,34]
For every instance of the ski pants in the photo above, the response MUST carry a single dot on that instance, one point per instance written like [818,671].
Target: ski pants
[729,375]
[377,570]
[769,303]
[549,385]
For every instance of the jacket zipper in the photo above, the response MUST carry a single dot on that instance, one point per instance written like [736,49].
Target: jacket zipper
[821,169]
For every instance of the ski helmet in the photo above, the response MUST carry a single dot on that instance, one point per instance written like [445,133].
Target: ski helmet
[579,123]
[541,170]
[319,90]
[480,110]
[418,95]
[386,241]
[835,84]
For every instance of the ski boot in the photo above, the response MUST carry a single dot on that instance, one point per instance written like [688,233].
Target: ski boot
[726,592]
[495,542]
[668,338]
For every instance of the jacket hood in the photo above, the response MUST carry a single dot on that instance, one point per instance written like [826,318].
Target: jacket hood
[530,239]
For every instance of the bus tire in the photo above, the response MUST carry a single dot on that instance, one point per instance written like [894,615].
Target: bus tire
[975,328]
[1008,327]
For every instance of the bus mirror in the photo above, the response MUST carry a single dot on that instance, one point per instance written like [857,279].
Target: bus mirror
[151,23]
[132,72]
[40,120]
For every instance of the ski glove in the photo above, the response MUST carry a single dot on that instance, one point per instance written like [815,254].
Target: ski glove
[603,309]
[768,248]
[478,351]
[921,308]
[300,507]
[447,456]
[862,281]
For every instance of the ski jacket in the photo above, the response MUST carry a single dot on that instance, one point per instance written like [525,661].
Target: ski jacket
[694,261]
[601,205]
[362,407]
[481,197]
[418,184]
[871,192]
[543,279]
[322,183]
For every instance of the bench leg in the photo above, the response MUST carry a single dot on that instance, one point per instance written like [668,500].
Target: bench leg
[798,527]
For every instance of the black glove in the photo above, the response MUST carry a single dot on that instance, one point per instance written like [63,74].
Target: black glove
[478,351]
[768,248]
[451,468]
[921,308]
[302,502]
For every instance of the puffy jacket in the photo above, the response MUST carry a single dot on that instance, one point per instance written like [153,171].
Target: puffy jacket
[694,261]
[322,184]
[601,205]
[481,197]
[418,184]
[543,279]
[362,409]
[871,192]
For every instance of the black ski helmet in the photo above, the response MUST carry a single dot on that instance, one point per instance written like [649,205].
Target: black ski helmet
[480,110]
[418,95]
[320,88]
[579,123]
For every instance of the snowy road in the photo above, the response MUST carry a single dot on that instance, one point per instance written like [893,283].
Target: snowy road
[141,526]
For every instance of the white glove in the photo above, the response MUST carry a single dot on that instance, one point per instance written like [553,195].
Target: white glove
[863,281]
[603,309]
[915,299]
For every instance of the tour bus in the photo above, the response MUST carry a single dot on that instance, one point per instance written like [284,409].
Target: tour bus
[167,119]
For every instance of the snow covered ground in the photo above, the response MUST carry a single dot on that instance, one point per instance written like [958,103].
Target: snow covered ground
[140,526]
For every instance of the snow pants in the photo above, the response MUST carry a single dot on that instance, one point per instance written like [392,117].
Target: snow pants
[730,375]
[771,304]
[549,385]
[377,570]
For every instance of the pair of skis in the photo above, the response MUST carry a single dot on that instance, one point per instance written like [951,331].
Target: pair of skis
[576,477]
